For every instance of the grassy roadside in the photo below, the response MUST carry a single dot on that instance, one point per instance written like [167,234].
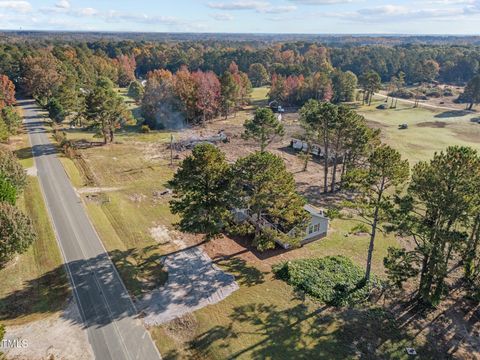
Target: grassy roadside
[34,285]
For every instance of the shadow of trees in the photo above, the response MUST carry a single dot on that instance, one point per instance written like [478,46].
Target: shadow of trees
[452,114]
[141,269]
[103,298]
[245,274]
[301,333]
[46,294]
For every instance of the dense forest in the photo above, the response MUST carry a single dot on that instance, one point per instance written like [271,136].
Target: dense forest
[205,79]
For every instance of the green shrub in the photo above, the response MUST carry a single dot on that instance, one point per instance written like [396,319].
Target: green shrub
[402,94]
[334,280]
[145,129]
[448,92]
[435,93]
[3,131]
[359,228]
[8,192]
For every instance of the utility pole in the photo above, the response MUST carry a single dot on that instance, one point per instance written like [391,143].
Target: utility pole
[171,149]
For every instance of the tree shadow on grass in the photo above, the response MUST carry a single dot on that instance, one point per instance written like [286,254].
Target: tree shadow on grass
[244,274]
[46,294]
[24,153]
[452,114]
[142,270]
[268,331]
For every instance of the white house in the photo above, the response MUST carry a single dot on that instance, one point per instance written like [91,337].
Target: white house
[316,228]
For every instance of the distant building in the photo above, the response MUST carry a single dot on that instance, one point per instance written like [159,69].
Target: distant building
[316,228]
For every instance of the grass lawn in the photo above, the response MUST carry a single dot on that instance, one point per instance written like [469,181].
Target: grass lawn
[429,130]
[34,285]
[125,214]
[265,318]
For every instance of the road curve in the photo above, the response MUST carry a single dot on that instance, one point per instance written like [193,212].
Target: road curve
[108,313]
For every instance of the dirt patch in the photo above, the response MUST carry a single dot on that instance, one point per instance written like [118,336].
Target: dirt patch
[183,328]
[96,190]
[137,198]
[57,337]
[32,171]
[160,234]
[433,124]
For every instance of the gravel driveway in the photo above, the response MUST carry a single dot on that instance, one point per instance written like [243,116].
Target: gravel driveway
[193,283]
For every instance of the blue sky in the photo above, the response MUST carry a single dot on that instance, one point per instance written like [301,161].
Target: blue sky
[247,16]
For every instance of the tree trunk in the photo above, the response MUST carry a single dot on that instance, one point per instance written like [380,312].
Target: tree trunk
[472,249]
[470,107]
[373,233]
[307,155]
[334,173]
[344,170]
[325,165]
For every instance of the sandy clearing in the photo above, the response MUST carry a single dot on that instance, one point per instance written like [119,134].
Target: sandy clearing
[60,336]
[422,103]
[96,190]
[193,283]
[32,171]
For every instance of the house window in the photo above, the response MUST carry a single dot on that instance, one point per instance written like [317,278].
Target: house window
[310,229]
[316,228]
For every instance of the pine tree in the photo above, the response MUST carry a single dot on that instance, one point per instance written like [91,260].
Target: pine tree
[202,191]
[264,127]
[385,170]
[268,190]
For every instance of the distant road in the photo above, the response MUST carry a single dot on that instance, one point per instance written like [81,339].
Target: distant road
[107,311]
[422,103]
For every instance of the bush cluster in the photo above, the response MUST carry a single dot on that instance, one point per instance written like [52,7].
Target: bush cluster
[402,94]
[334,280]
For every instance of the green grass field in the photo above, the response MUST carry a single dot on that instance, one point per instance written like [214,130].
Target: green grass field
[429,130]
[265,318]
[34,285]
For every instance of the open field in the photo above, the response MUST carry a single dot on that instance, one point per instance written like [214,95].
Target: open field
[429,130]
[265,317]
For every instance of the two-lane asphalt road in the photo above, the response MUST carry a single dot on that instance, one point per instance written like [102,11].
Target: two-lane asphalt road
[107,311]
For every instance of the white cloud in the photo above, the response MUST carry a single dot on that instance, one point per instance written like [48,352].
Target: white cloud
[322,2]
[85,11]
[258,6]
[222,16]
[18,6]
[63,4]
[239,5]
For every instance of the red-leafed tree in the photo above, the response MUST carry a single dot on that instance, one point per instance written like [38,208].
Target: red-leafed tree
[7,92]
[126,69]
[185,88]
[207,94]
[296,90]
[244,86]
